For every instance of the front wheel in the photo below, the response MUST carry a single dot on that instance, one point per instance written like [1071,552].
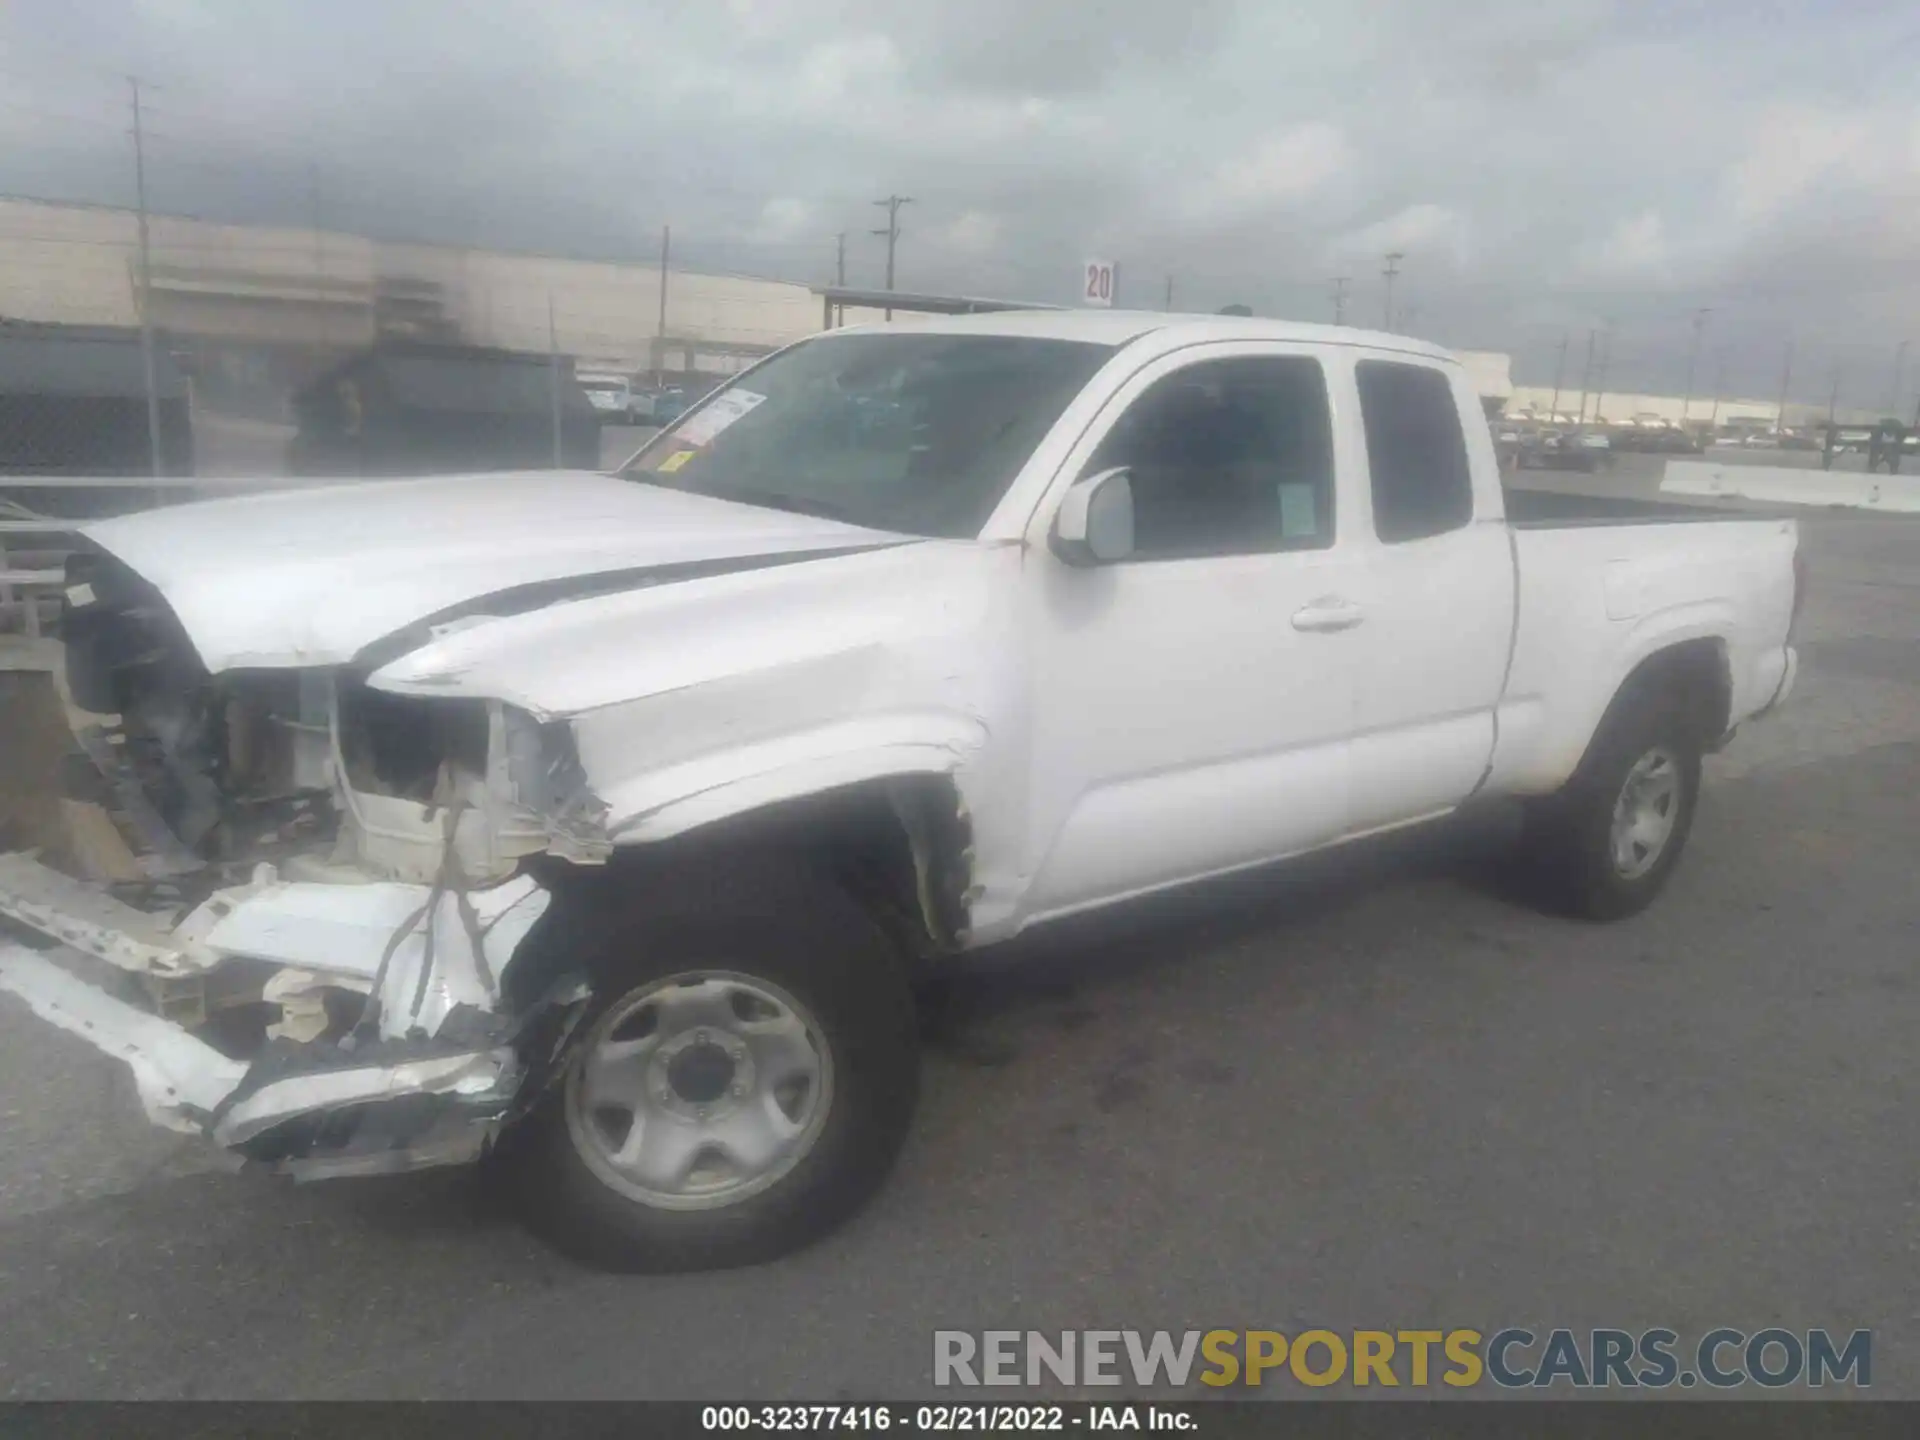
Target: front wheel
[741,1084]
[1607,844]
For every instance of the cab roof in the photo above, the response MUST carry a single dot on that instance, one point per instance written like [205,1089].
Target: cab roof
[1120,327]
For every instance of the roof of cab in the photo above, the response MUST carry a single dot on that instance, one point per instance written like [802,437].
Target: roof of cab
[1119,327]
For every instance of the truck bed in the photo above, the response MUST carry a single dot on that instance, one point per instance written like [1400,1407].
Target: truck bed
[1590,589]
[1529,509]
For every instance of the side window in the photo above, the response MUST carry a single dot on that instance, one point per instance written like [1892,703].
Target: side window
[1228,457]
[1415,451]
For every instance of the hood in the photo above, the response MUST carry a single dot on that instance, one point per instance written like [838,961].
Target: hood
[845,631]
[311,577]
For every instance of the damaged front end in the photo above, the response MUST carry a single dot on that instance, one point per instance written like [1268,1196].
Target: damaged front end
[298,907]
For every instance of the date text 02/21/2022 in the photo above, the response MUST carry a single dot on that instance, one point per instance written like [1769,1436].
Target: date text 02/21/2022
[939,1419]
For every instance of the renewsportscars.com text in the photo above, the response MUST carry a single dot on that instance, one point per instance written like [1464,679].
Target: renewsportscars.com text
[1512,1358]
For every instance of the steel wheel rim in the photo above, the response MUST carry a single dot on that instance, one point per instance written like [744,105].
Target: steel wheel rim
[1645,813]
[699,1090]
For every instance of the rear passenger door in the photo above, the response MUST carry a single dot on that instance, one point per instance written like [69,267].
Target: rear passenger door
[1440,595]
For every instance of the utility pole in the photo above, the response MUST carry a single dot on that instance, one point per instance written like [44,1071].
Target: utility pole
[553,384]
[1340,283]
[1600,379]
[1586,376]
[146,284]
[1559,364]
[1693,356]
[1786,378]
[1391,269]
[313,209]
[840,261]
[892,206]
[1169,304]
[1833,395]
[660,331]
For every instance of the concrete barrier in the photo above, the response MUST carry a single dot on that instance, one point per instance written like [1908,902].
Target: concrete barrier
[1777,485]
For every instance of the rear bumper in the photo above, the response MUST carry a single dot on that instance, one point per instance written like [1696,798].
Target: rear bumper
[427,1079]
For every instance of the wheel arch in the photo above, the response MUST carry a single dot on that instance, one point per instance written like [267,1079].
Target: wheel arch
[1694,676]
[900,844]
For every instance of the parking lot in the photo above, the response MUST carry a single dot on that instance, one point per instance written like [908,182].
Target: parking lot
[1366,1091]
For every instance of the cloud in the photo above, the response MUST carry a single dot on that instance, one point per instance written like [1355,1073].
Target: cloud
[1800,148]
[1277,170]
[973,233]
[1427,231]
[1588,158]
[783,219]
[1636,249]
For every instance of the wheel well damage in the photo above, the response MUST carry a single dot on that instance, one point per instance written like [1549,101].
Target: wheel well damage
[902,846]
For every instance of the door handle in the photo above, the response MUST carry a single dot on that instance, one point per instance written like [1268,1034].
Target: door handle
[1327,614]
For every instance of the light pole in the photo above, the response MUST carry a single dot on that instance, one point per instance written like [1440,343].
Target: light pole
[1600,381]
[1786,379]
[1693,355]
[1388,271]
[1586,376]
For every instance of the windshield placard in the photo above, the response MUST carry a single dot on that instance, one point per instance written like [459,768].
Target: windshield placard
[725,408]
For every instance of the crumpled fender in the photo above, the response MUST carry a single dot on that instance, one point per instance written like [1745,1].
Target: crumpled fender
[659,804]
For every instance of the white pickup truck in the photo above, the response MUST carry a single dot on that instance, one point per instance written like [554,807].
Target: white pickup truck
[601,826]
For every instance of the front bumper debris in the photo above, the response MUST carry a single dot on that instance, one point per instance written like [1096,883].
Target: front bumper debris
[425,1075]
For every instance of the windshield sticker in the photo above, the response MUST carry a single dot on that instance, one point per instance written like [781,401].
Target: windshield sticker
[722,411]
[674,461]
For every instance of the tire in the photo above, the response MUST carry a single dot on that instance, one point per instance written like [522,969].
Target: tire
[774,937]
[1569,838]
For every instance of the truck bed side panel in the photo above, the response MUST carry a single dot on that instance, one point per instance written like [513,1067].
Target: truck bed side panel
[1596,601]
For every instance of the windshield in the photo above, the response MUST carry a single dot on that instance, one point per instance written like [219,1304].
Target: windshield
[915,433]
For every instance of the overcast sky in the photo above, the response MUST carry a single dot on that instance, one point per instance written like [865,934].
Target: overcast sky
[1545,165]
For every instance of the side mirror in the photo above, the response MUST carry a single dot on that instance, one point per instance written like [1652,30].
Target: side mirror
[1094,524]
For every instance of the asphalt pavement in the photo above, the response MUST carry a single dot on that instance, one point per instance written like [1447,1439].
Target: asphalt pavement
[1362,1092]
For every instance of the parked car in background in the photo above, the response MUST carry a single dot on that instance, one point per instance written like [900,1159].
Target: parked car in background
[659,407]
[610,395]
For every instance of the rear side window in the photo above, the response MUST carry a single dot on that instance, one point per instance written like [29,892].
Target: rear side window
[1415,451]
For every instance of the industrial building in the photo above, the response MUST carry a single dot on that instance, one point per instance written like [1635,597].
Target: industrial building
[254,314]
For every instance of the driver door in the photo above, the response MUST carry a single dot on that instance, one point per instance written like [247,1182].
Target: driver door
[1194,703]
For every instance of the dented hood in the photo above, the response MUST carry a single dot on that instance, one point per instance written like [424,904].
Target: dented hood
[311,577]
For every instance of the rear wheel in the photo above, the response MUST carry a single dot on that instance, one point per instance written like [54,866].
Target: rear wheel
[1606,845]
[740,1086]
